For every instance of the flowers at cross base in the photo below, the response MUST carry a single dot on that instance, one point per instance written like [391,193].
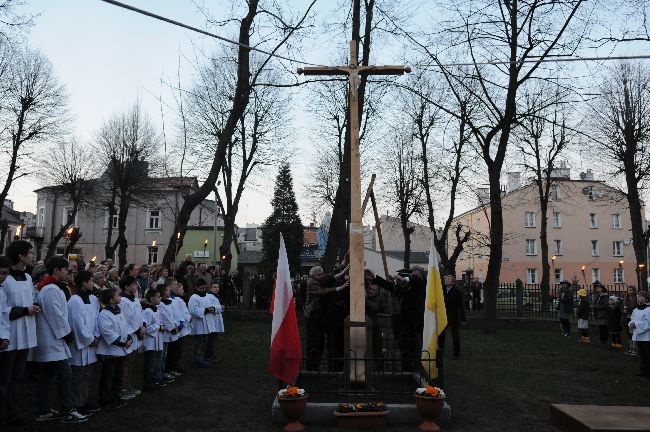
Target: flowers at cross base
[430,392]
[291,392]
[361,407]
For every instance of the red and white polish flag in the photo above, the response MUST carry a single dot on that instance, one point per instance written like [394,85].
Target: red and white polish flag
[286,355]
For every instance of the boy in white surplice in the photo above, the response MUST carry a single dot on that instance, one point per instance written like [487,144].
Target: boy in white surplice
[202,311]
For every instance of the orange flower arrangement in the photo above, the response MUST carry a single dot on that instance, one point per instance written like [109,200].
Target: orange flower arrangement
[431,392]
[291,392]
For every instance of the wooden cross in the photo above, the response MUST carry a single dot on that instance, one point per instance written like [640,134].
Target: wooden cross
[357,289]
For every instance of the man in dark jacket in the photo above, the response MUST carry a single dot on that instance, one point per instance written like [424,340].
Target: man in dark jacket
[319,287]
[455,314]
[411,290]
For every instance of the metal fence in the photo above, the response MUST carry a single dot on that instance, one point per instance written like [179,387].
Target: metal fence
[391,377]
[527,300]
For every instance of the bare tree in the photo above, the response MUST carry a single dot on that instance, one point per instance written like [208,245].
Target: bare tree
[404,188]
[237,103]
[128,145]
[622,122]
[541,150]
[519,36]
[67,168]
[33,108]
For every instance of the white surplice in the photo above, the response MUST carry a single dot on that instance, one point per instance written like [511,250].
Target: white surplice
[83,320]
[52,326]
[22,331]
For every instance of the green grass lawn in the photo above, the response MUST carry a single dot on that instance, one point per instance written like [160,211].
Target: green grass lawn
[501,383]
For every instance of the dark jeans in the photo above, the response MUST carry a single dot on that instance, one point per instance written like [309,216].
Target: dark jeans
[604,333]
[200,341]
[12,369]
[455,337]
[211,346]
[46,372]
[151,367]
[315,342]
[410,345]
[174,351]
[82,377]
[566,325]
[110,383]
[644,353]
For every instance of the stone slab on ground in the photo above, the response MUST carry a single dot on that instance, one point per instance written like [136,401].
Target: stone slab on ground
[595,418]
[323,414]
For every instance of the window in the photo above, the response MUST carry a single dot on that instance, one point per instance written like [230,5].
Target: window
[557,220]
[531,247]
[67,215]
[114,220]
[616,221]
[595,275]
[617,248]
[154,219]
[559,276]
[594,248]
[531,276]
[153,257]
[40,218]
[555,192]
[593,220]
[558,247]
[618,275]
[530,220]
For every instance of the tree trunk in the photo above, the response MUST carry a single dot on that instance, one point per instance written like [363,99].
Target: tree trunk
[496,254]
[224,250]
[545,284]
[406,231]
[239,103]
[121,230]
[639,239]
[109,250]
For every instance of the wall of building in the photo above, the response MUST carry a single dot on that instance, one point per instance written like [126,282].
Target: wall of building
[576,201]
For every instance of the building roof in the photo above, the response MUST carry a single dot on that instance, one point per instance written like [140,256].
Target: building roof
[11,216]
[416,257]
[250,257]
[155,183]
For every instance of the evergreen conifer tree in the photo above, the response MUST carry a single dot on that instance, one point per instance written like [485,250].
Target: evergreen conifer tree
[283,219]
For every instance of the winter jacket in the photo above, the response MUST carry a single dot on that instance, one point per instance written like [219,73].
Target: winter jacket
[583,309]
[600,307]
[614,315]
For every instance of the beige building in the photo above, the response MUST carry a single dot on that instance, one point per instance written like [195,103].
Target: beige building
[153,219]
[393,237]
[588,227]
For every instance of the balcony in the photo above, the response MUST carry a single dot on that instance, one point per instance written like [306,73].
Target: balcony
[34,233]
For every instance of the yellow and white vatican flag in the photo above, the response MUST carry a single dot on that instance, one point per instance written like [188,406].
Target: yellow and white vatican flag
[435,314]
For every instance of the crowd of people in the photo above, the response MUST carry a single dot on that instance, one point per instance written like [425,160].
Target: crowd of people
[326,305]
[62,319]
[613,315]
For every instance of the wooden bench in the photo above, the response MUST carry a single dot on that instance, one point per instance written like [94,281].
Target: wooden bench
[595,418]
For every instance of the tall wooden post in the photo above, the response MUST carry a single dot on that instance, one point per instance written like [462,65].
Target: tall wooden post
[357,329]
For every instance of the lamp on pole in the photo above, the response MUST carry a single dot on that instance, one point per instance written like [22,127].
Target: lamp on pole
[205,246]
[68,235]
[584,278]
[178,239]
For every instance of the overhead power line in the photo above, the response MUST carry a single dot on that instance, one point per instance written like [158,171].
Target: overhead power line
[538,59]
[425,66]
[203,32]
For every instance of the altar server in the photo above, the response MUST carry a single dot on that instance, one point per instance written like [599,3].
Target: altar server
[83,310]
[19,294]
[132,311]
[169,322]
[182,316]
[153,341]
[114,343]
[52,353]
[203,323]
[210,348]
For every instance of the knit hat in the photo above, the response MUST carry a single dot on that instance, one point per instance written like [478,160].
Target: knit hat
[582,292]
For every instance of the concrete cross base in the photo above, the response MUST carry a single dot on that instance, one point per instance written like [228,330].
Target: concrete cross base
[594,418]
[323,414]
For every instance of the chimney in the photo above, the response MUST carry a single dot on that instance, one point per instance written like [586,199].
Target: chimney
[561,171]
[587,175]
[483,195]
[513,181]
[9,204]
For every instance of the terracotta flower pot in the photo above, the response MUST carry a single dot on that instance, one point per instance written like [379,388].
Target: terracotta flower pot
[429,408]
[361,419]
[293,409]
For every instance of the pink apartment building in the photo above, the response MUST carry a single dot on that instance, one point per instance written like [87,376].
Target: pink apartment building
[588,227]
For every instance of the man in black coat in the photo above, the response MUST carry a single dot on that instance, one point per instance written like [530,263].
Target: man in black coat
[455,314]
[411,290]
